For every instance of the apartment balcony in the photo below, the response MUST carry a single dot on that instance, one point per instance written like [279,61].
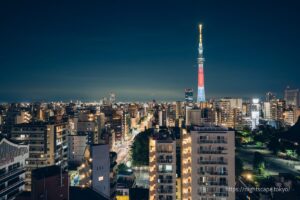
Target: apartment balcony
[213,173]
[152,193]
[10,187]
[222,194]
[64,134]
[37,145]
[165,160]
[165,151]
[152,162]
[165,191]
[212,162]
[188,154]
[7,176]
[165,172]
[213,194]
[42,138]
[212,142]
[166,181]
[36,151]
[36,165]
[211,152]
[165,198]
[57,156]
[213,183]
[152,153]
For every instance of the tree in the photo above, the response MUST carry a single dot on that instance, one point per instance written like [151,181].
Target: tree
[140,148]
[122,167]
[239,166]
[274,145]
[259,163]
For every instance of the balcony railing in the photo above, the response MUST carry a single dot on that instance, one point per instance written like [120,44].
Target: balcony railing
[218,194]
[165,181]
[164,151]
[214,173]
[165,160]
[211,152]
[12,186]
[165,198]
[165,171]
[8,175]
[222,194]
[212,141]
[165,191]
[212,162]
[213,183]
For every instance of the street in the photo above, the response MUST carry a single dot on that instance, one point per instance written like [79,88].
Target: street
[123,150]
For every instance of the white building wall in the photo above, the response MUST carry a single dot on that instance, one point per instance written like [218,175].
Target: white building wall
[101,169]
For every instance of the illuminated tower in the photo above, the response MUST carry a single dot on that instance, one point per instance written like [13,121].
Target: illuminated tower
[201,92]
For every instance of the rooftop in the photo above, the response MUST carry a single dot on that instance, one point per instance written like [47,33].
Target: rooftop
[46,172]
[12,140]
[125,182]
[164,135]
[208,128]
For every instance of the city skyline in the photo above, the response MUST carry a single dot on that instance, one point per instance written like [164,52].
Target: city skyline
[85,51]
[149,100]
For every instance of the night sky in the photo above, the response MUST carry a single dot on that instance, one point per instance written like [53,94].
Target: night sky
[143,50]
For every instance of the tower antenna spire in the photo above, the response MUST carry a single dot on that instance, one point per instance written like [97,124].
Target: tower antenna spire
[201,91]
[200,34]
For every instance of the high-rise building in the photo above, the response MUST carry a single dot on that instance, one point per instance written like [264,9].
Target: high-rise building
[277,109]
[178,110]
[163,116]
[228,112]
[194,117]
[224,113]
[237,119]
[235,102]
[201,91]
[98,171]
[112,98]
[48,145]
[246,109]
[87,124]
[290,116]
[186,113]
[162,166]
[12,168]
[23,117]
[189,95]
[117,125]
[255,112]
[103,167]
[77,145]
[267,110]
[208,163]
[270,96]
[291,97]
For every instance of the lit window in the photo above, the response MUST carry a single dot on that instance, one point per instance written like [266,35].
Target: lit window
[100,178]
[168,167]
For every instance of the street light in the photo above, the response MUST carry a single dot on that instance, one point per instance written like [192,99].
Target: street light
[249,177]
